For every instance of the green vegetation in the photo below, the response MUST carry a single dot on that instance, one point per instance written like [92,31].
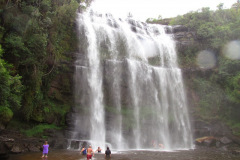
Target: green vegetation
[159,20]
[217,89]
[38,130]
[36,37]
[10,92]
[6,115]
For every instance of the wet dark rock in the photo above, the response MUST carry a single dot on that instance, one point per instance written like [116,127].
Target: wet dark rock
[236,152]
[156,31]
[49,132]
[75,144]
[33,148]
[69,119]
[206,141]
[9,144]
[179,35]
[209,142]
[109,21]
[179,28]
[58,143]
[132,22]
[168,29]
[225,140]
[201,128]
[134,28]
[218,144]
[3,151]
[6,139]
[17,148]
[4,156]
[224,148]
[183,36]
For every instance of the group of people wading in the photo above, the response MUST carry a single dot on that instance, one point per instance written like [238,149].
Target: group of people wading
[90,153]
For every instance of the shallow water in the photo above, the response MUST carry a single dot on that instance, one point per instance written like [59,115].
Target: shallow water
[198,154]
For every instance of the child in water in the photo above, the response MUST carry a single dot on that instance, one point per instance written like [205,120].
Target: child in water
[45,150]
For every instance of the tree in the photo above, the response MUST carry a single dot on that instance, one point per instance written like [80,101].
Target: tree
[220,6]
[10,92]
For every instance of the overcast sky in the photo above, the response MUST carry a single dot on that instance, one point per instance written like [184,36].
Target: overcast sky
[143,9]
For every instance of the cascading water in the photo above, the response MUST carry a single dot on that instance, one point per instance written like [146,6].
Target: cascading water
[129,91]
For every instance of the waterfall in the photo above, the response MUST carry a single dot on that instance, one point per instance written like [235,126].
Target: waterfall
[129,91]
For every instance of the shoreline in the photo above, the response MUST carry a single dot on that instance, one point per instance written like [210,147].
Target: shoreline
[196,154]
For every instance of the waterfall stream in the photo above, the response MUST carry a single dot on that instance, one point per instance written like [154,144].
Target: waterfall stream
[129,91]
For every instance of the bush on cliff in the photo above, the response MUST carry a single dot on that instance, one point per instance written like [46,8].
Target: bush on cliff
[10,91]
[6,115]
[217,88]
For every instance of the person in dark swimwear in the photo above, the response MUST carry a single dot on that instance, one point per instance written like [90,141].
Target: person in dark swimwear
[108,153]
[98,150]
[83,151]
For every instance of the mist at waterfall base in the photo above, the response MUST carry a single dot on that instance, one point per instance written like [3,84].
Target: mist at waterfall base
[129,92]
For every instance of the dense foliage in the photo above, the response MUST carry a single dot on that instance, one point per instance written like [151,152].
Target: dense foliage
[10,92]
[36,36]
[218,87]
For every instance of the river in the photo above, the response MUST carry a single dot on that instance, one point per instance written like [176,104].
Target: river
[197,154]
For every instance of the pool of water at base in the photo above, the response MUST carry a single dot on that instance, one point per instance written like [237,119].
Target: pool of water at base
[196,154]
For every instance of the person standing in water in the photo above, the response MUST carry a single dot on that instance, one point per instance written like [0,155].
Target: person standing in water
[45,149]
[98,150]
[90,152]
[83,151]
[108,153]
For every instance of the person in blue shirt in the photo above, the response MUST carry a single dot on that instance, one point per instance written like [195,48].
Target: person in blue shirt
[83,151]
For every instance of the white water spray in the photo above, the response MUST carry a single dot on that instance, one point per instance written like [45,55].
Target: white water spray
[128,87]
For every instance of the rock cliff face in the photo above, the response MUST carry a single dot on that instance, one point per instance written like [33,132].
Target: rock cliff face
[186,39]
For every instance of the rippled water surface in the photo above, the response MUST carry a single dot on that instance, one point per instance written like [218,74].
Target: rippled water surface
[198,154]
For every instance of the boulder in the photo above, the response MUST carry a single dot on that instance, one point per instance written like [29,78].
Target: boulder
[179,28]
[224,148]
[9,145]
[209,142]
[17,148]
[75,144]
[236,152]
[218,144]
[33,148]
[225,140]
[206,141]
[3,151]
